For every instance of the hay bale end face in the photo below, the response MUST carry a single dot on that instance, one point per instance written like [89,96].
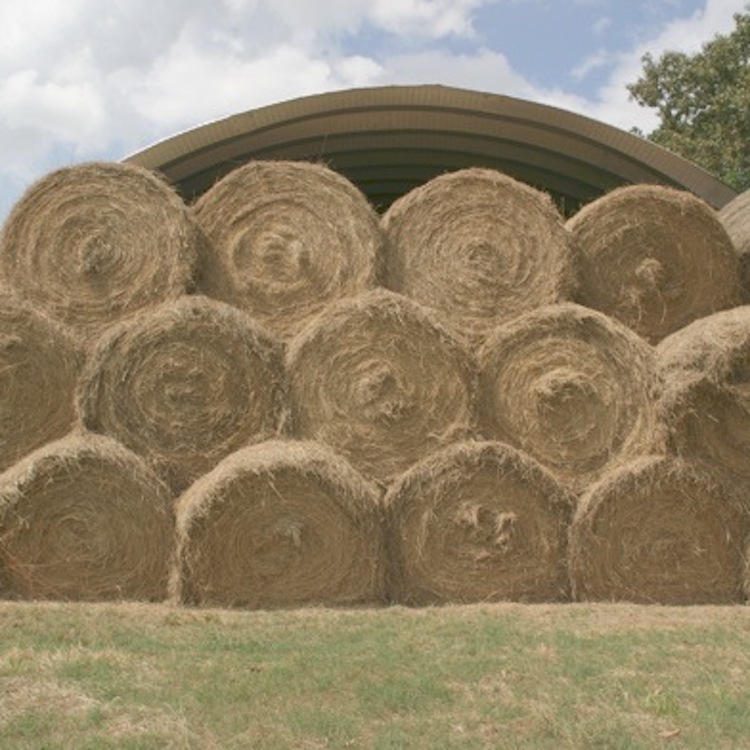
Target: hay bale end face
[93,243]
[659,532]
[287,239]
[376,378]
[655,258]
[570,386]
[735,218]
[39,367]
[280,524]
[184,385]
[478,521]
[479,247]
[84,519]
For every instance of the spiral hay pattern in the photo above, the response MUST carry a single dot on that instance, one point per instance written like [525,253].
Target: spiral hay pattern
[184,385]
[280,524]
[658,531]
[571,387]
[655,258]
[84,519]
[93,243]
[287,239]
[478,521]
[377,379]
[479,247]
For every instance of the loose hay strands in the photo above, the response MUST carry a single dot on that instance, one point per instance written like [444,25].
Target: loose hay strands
[376,378]
[93,243]
[705,402]
[570,386]
[655,258]
[39,366]
[84,519]
[735,218]
[280,524]
[184,385]
[287,238]
[658,531]
[479,247]
[478,521]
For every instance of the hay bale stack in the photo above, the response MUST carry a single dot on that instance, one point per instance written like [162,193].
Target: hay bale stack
[183,385]
[84,519]
[379,380]
[478,521]
[735,218]
[287,239]
[704,406]
[280,524]
[93,243]
[39,366]
[570,386]
[655,258]
[479,247]
[659,531]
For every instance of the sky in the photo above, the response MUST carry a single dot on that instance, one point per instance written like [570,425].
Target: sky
[83,80]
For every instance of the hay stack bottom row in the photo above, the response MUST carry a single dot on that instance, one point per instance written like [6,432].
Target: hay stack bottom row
[277,398]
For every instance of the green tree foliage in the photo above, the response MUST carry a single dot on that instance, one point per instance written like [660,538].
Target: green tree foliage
[703,101]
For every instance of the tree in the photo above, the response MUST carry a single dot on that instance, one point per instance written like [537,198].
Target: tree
[703,101]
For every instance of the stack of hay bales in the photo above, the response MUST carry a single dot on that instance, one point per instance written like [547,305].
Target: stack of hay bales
[276,397]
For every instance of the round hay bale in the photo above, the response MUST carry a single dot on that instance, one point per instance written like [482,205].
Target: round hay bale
[379,380]
[280,524]
[704,406]
[84,519]
[479,247]
[570,386]
[735,218]
[655,258]
[659,531]
[183,385]
[287,238]
[39,366]
[93,243]
[478,521]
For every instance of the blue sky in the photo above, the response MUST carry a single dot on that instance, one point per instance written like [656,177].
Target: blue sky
[85,79]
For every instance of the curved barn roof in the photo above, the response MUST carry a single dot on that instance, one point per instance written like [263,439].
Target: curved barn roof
[387,140]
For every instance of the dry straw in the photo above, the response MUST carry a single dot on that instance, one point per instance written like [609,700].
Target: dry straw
[39,365]
[655,258]
[658,531]
[280,524]
[93,243]
[379,380]
[705,402]
[287,238]
[735,218]
[570,386]
[479,247]
[84,519]
[184,385]
[478,521]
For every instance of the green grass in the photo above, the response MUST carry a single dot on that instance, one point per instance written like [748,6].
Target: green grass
[487,676]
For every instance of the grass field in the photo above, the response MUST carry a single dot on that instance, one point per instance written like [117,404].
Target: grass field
[485,676]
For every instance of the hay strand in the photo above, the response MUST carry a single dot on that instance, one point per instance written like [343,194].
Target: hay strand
[84,519]
[478,521]
[93,243]
[735,218]
[39,366]
[570,386]
[658,531]
[287,238]
[479,247]
[183,385]
[655,258]
[280,524]
[377,379]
